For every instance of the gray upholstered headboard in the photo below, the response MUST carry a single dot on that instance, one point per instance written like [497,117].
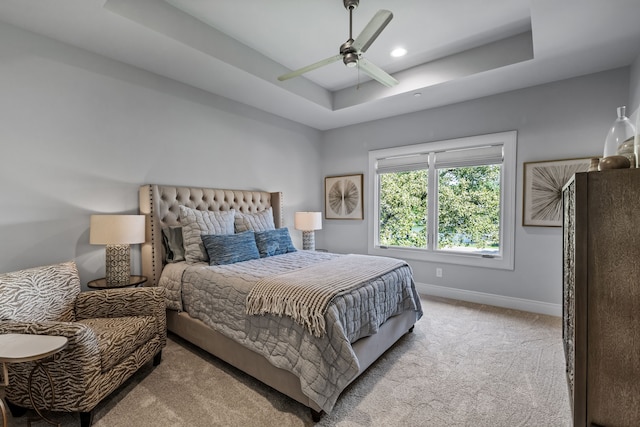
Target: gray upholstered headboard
[160,203]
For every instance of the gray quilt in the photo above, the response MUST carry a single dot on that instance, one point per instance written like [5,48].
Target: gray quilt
[217,296]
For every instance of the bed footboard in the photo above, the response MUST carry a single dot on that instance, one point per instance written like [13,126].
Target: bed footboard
[367,350]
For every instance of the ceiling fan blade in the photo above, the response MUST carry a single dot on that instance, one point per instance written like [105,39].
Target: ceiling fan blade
[376,73]
[311,67]
[372,30]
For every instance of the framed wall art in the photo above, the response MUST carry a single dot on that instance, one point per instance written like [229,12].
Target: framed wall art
[542,196]
[343,198]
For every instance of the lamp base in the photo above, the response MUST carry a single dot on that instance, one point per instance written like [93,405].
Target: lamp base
[118,265]
[309,240]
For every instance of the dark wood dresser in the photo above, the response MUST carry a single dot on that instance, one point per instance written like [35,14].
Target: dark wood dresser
[601,297]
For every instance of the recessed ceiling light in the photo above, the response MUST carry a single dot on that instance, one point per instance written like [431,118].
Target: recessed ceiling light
[417,94]
[398,52]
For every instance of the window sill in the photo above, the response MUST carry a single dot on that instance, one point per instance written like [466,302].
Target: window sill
[500,263]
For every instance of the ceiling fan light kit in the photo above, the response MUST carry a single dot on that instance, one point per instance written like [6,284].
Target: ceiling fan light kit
[350,59]
[351,51]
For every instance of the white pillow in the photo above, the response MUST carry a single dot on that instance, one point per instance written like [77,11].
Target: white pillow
[195,223]
[258,221]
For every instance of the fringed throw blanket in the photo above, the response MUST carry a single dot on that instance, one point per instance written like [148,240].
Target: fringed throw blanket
[305,294]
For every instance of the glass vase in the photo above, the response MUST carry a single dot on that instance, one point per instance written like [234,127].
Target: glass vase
[620,139]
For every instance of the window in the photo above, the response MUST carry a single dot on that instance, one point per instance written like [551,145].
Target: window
[448,201]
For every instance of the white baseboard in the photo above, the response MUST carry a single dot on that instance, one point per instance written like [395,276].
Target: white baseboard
[490,299]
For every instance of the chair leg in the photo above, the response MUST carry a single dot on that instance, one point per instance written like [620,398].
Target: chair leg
[157,358]
[86,418]
[315,415]
[16,411]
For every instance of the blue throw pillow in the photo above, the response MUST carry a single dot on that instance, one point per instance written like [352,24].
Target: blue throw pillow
[230,248]
[274,242]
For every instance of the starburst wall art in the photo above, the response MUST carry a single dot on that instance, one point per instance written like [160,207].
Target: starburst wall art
[543,182]
[343,197]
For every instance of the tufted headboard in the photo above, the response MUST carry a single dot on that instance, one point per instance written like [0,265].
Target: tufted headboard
[160,203]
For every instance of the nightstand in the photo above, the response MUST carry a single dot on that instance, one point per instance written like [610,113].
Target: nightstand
[102,283]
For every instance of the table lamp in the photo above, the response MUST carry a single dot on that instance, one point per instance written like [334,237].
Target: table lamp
[117,232]
[308,222]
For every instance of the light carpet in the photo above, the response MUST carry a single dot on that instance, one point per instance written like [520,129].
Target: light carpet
[464,365]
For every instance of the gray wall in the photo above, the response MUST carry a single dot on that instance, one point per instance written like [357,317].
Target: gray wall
[567,119]
[79,133]
[634,85]
[634,91]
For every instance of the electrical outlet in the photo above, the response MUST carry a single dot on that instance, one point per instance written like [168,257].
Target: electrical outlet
[438,272]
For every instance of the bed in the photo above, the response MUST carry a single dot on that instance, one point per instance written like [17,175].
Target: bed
[310,360]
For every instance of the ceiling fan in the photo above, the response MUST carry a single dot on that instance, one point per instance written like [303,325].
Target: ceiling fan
[351,51]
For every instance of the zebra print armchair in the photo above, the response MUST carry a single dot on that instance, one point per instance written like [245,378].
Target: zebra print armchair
[111,334]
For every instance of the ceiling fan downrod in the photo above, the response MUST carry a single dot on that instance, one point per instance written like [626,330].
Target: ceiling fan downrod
[349,54]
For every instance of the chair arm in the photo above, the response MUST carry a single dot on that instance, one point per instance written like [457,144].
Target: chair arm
[123,302]
[120,302]
[82,341]
[74,368]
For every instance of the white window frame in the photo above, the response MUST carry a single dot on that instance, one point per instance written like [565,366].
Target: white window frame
[507,201]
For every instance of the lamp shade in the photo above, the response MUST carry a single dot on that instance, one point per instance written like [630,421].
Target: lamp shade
[117,229]
[308,221]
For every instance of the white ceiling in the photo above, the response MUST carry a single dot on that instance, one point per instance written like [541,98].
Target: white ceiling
[458,49]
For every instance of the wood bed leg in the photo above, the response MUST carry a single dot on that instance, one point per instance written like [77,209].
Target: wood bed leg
[315,415]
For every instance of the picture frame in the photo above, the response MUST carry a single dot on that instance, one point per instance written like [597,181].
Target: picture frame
[343,197]
[542,192]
